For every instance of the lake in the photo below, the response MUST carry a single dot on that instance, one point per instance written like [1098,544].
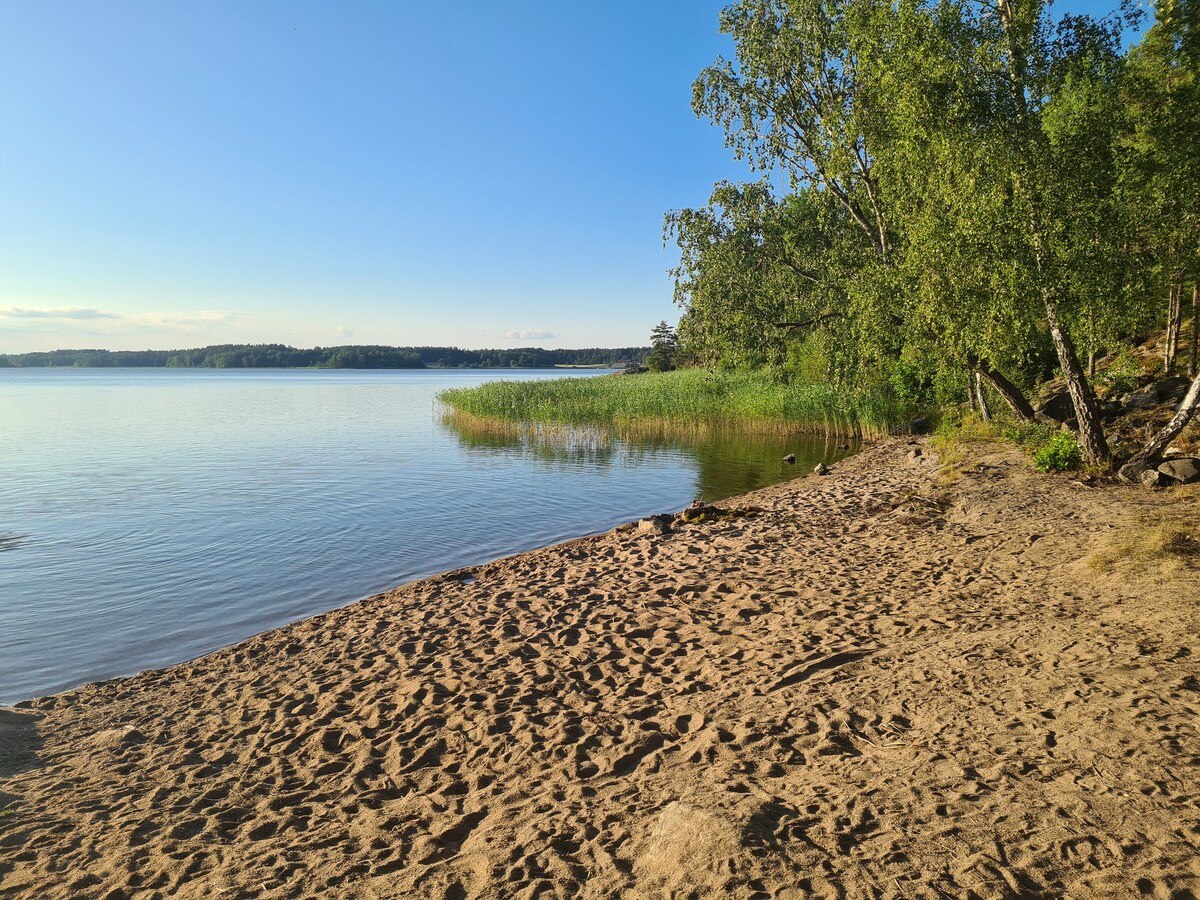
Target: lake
[149,516]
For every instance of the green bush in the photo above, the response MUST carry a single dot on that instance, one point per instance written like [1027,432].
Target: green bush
[1058,454]
[1123,375]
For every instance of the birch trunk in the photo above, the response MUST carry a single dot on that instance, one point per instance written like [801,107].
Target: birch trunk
[1091,433]
[1008,391]
[1183,415]
[981,398]
[1174,315]
[1193,369]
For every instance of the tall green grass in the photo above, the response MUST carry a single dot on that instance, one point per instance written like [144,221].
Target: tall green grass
[692,398]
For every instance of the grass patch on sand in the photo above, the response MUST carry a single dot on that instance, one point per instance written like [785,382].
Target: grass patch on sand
[689,398]
[1050,449]
[1166,546]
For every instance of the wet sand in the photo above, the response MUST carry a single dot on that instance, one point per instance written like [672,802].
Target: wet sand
[882,685]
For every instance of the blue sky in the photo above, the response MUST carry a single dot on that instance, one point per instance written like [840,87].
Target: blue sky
[476,174]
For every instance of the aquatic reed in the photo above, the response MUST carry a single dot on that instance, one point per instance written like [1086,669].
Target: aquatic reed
[690,398]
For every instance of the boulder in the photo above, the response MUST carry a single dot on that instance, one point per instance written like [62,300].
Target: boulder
[1152,478]
[1172,388]
[821,469]
[1058,407]
[1146,398]
[1132,471]
[1183,469]
[790,459]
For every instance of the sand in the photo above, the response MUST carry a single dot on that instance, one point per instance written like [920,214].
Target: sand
[881,686]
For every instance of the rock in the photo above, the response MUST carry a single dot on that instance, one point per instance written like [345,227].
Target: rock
[700,512]
[790,459]
[821,469]
[1058,407]
[915,453]
[1152,478]
[1146,398]
[660,524]
[1131,472]
[1172,388]
[1184,469]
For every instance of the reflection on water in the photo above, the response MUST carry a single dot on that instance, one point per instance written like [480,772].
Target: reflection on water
[726,462]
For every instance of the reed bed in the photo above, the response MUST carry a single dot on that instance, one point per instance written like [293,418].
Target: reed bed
[687,399]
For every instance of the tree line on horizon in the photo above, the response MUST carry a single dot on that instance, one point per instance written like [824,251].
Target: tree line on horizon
[974,192]
[281,356]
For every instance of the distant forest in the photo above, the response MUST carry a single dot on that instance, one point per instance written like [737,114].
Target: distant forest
[280,356]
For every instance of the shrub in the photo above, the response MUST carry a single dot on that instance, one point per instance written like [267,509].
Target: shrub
[1058,454]
[1123,375]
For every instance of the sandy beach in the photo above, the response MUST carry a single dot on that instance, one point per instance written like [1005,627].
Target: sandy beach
[891,681]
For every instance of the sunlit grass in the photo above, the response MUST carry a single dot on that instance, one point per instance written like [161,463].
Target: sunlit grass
[1166,546]
[688,399]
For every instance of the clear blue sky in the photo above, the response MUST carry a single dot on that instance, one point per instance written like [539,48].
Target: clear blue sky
[476,174]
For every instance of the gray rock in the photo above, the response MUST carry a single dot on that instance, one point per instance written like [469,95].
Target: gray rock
[1172,388]
[821,469]
[790,459]
[1146,398]
[1184,469]
[660,524]
[1152,478]
[1058,407]
[1131,472]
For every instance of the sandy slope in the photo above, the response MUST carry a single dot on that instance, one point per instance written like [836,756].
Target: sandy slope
[880,687]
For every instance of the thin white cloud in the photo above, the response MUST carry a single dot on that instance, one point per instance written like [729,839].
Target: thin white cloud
[65,312]
[528,334]
[186,320]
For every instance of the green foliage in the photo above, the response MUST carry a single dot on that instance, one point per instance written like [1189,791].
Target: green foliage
[966,180]
[688,397]
[1060,454]
[1124,374]
[665,346]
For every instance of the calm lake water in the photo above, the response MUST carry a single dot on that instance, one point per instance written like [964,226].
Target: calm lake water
[148,516]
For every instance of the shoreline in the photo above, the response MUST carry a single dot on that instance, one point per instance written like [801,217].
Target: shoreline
[879,684]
